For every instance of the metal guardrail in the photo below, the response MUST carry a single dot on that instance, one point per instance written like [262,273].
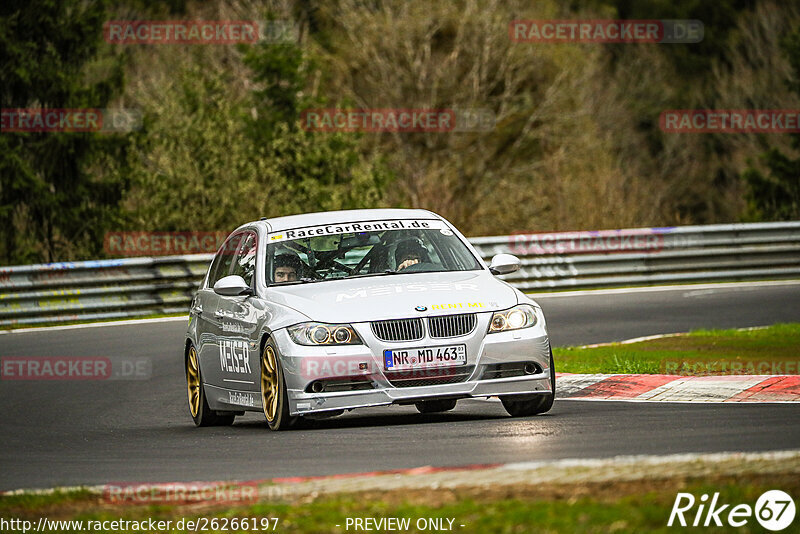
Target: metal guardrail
[108,289]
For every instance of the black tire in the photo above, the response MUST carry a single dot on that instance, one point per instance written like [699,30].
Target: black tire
[532,406]
[274,398]
[201,414]
[434,406]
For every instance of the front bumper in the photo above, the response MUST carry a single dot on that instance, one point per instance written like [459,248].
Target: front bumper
[303,403]
[302,365]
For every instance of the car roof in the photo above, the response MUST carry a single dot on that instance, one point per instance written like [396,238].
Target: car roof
[346,216]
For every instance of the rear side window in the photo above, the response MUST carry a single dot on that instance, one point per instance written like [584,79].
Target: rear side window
[221,266]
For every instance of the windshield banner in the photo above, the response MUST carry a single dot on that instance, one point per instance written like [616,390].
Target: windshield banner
[365,226]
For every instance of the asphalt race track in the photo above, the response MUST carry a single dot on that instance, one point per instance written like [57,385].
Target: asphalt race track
[93,432]
[602,316]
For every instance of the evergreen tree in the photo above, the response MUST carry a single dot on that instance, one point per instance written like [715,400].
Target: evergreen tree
[776,196]
[323,170]
[51,204]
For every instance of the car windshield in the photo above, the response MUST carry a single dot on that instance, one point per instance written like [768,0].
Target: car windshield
[331,252]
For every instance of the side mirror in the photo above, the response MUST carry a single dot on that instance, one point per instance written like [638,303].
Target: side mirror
[232,286]
[504,264]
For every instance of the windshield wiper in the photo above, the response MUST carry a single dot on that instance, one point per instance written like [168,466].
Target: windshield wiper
[365,275]
[295,282]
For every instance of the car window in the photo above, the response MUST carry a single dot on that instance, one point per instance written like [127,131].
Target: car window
[213,269]
[245,263]
[222,263]
[351,254]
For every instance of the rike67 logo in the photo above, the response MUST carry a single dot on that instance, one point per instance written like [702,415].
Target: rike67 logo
[774,510]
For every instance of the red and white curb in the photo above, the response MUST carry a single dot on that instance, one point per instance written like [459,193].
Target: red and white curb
[677,388]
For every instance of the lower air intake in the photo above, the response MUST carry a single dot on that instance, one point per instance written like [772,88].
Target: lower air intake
[429,377]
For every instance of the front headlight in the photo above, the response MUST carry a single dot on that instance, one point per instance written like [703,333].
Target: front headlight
[324,334]
[522,316]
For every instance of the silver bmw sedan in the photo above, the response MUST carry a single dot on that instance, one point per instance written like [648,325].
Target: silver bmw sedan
[307,316]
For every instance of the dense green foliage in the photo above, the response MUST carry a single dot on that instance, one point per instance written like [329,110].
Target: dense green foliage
[776,196]
[51,203]
[576,144]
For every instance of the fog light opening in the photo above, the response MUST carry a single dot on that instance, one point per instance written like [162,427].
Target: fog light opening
[317,387]
[530,368]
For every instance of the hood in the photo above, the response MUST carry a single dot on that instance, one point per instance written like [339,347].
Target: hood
[396,296]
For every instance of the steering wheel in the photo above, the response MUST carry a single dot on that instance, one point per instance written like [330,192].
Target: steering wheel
[421,266]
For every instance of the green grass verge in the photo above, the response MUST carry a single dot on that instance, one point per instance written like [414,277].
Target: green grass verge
[603,507]
[771,350]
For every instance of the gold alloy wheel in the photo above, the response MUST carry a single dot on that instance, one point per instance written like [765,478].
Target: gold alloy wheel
[270,385]
[193,382]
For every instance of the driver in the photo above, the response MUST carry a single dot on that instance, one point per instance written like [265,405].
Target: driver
[409,252]
[287,268]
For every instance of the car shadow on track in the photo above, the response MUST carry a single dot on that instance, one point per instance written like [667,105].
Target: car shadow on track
[383,419]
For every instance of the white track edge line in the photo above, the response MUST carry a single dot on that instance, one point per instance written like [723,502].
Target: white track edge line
[662,336]
[720,285]
[95,325]
[646,289]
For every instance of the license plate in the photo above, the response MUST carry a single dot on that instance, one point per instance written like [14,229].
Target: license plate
[425,357]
